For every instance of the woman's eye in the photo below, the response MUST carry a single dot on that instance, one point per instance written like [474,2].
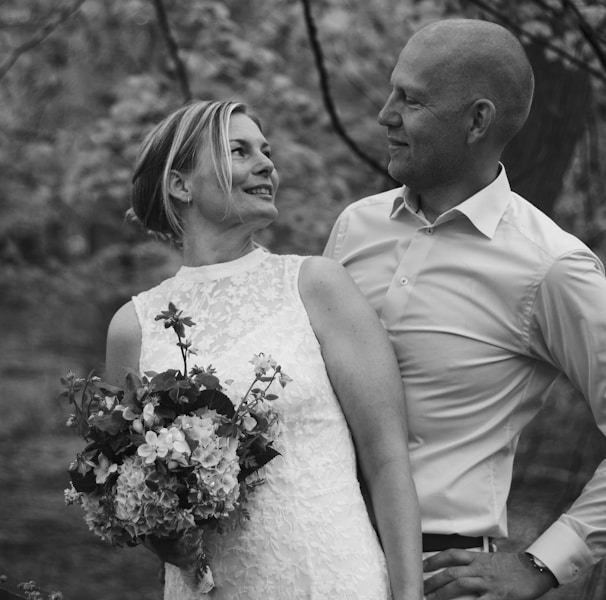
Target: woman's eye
[238,150]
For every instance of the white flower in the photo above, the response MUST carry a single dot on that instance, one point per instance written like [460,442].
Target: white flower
[262,363]
[249,423]
[149,416]
[104,468]
[155,446]
[70,495]
[176,442]
[197,429]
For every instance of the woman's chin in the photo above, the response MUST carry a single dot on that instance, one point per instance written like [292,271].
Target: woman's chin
[262,218]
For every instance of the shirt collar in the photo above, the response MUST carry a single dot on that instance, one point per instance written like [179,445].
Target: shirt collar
[404,201]
[484,209]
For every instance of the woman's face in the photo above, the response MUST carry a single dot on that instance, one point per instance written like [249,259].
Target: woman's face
[254,180]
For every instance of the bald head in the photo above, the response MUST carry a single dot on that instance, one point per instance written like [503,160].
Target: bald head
[479,59]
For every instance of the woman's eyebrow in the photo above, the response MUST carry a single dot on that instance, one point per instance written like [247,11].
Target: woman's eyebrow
[247,142]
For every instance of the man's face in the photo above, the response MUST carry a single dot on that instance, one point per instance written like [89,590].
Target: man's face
[424,119]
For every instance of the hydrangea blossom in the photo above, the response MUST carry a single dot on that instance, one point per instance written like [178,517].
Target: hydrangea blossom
[171,450]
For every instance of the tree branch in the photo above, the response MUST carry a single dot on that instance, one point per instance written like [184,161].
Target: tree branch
[173,50]
[538,40]
[37,38]
[326,94]
[587,32]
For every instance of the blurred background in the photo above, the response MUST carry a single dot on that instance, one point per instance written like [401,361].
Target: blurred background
[82,81]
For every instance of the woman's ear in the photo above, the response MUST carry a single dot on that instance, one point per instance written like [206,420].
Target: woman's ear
[483,116]
[178,187]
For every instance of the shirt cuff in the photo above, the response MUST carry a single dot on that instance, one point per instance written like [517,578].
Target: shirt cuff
[564,553]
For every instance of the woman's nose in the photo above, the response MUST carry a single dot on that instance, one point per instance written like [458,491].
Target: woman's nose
[265,165]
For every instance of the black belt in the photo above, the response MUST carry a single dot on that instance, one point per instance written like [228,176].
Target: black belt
[434,542]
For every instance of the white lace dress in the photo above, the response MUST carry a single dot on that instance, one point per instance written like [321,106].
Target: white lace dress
[309,535]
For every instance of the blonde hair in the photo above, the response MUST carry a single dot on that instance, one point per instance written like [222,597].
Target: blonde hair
[175,144]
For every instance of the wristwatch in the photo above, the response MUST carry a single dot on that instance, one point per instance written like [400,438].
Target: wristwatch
[540,566]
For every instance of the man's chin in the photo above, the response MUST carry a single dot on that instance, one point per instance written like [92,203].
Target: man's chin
[396,173]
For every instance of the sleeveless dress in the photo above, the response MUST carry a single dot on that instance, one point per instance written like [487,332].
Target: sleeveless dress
[309,535]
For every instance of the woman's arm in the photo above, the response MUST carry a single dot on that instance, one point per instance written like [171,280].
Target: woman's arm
[123,344]
[364,373]
[122,353]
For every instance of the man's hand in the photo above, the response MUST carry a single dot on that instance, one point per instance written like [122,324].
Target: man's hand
[487,576]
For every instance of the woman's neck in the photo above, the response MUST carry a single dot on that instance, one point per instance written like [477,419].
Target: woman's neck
[203,250]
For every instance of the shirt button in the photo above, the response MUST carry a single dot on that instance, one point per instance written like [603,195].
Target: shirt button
[404,280]
[429,231]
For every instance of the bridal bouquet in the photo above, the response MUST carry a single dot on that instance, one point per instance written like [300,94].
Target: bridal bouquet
[168,452]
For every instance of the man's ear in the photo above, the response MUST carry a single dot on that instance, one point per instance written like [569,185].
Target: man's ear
[483,116]
[178,187]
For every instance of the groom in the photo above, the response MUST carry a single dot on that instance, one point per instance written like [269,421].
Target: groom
[486,301]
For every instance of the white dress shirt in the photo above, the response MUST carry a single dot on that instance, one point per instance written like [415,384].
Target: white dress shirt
[485,308]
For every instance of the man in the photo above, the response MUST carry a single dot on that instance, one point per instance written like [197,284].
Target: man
[486,301]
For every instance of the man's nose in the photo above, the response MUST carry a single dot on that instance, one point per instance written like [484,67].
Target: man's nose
[388,116]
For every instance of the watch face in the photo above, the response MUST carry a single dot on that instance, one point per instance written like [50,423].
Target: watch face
[537,563]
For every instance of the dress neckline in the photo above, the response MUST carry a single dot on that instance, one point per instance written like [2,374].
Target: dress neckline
[245,263]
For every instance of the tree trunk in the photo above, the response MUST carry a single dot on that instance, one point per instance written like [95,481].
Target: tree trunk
[538,157]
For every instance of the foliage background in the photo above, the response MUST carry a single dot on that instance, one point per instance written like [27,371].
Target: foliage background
[81,82]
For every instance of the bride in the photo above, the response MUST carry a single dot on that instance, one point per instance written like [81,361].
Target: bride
[205,176]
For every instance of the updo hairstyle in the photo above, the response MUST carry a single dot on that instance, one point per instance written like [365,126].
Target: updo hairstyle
[175,144]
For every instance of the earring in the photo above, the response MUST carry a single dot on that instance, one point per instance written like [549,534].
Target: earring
[188,198]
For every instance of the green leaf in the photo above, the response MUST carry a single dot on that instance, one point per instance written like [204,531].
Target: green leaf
[210,382]
[227,430]
[110,423]
[132,383]
[219,401]
[257,457]
[153,481]
[83,483]
[113,390]
[164,381]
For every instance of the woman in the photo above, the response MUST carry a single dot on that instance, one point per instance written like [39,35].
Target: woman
[205,176]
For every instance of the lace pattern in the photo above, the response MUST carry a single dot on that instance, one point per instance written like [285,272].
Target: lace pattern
[309,536]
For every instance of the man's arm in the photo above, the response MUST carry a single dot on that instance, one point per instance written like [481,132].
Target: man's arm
[568,330]
[332,249]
